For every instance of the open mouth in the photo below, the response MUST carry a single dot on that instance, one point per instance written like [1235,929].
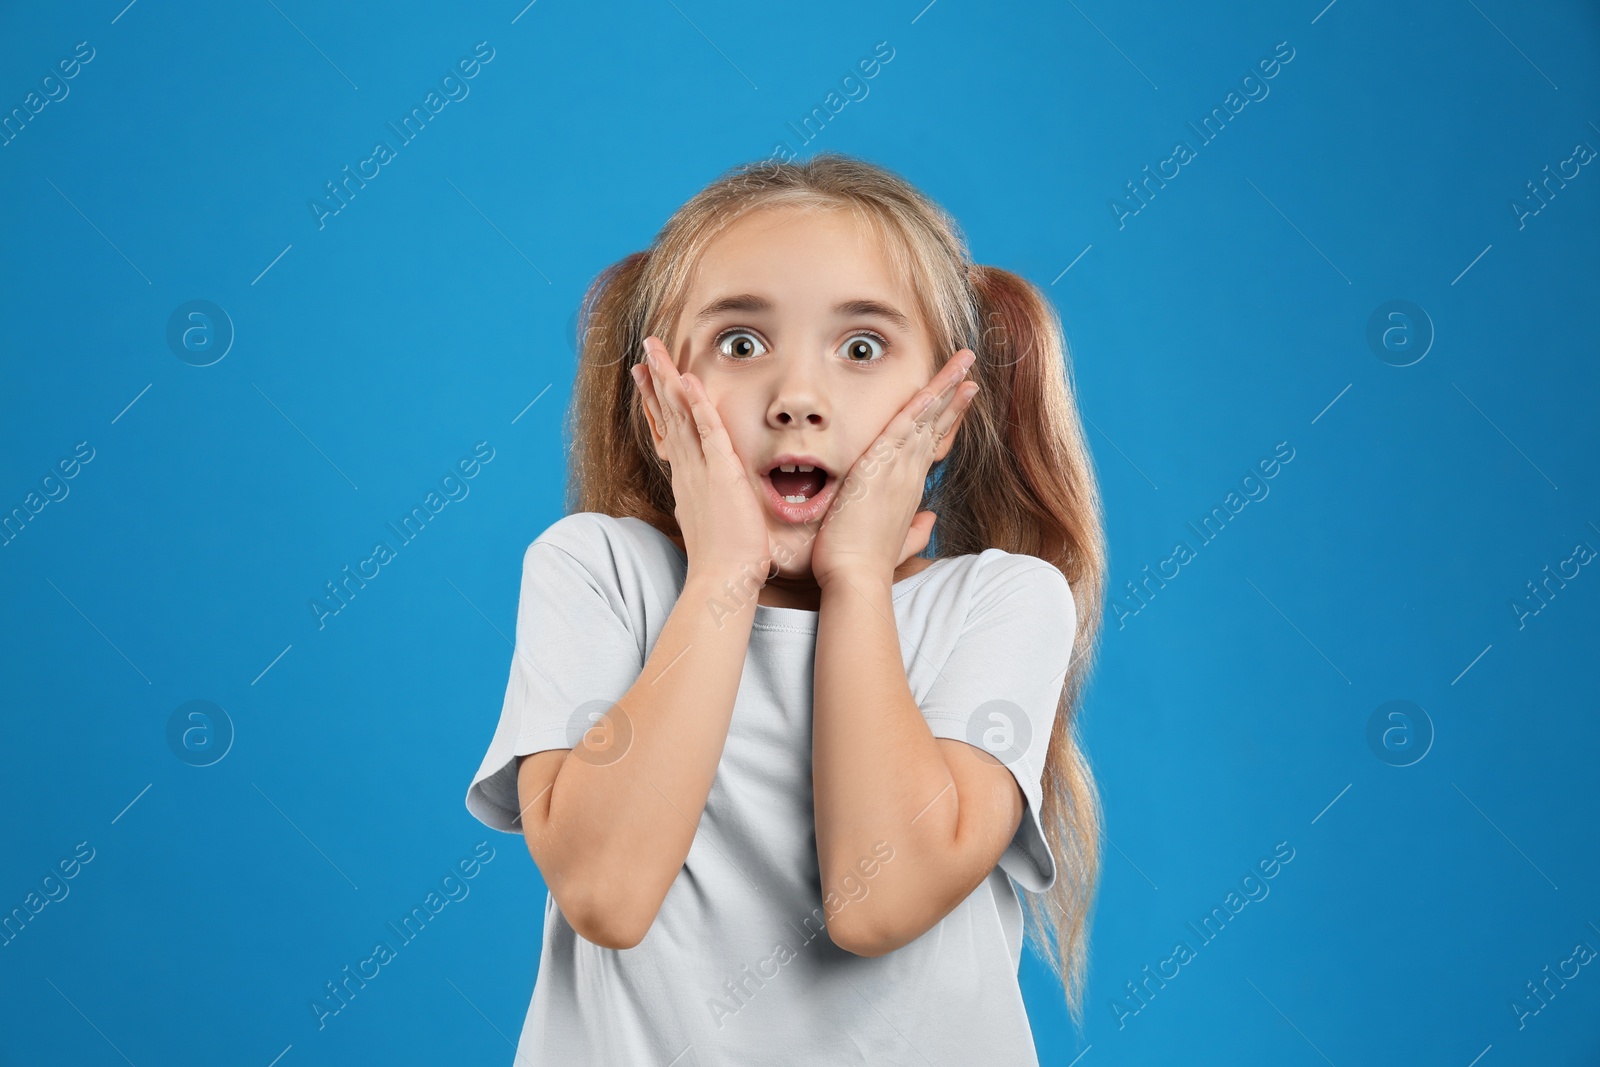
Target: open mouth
[799,493]
[797,483]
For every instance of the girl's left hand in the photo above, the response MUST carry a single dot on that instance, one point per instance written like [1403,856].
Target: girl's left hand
[873,524]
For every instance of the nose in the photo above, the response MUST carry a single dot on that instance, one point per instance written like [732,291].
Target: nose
[798,399]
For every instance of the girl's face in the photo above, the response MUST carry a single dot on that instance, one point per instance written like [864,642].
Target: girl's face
[808,344]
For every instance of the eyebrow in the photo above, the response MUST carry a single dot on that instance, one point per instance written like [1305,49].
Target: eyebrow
[750,302]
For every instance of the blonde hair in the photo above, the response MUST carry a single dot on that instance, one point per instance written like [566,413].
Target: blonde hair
[1018,476]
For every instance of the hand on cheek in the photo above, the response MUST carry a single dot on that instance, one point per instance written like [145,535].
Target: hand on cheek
[873,524]
[718,510]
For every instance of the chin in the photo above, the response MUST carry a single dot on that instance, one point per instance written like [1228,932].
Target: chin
[792,548]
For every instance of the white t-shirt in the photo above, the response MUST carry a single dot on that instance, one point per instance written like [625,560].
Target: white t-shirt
[737,967]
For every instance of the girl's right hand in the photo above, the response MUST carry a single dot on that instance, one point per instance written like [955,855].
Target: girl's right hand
[716,505]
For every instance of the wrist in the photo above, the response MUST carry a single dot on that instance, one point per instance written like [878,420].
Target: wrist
[725,590]
[861,580]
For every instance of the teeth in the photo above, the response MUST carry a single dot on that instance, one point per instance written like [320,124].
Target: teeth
[797,499]
[792,467]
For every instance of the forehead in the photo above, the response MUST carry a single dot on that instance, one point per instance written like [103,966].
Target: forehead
[808,259]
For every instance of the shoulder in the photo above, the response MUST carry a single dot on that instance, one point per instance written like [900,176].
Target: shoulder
[1016,584]
[583,534]
[592,536]
[621,555]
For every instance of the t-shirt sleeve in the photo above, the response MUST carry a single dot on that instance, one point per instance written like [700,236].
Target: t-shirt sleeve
[1000,687]
[574,657]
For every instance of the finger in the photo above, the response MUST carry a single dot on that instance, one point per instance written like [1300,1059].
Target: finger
[674,406]
[944,387]
[927,403]
[953,410]
[917,535]
[652,403]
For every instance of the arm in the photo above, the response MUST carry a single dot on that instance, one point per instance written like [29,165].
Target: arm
[947,808]
[610,823]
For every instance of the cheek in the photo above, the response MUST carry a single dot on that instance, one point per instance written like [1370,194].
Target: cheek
[737,418]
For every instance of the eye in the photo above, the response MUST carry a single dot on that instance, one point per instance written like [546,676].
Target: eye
[858,349]
[738,344]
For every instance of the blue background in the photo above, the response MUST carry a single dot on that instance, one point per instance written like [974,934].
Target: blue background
[1230,313]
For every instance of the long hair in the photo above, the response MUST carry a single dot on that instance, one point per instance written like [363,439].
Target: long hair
[1018,476]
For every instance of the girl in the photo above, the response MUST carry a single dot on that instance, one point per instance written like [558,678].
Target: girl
[778,764]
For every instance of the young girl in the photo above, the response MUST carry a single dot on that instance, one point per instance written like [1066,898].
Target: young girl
[783,768]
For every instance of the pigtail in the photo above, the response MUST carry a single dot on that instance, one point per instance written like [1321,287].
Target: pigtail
[1020,477]
[613,467]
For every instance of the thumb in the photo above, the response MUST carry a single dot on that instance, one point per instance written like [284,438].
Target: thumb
[918,535]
